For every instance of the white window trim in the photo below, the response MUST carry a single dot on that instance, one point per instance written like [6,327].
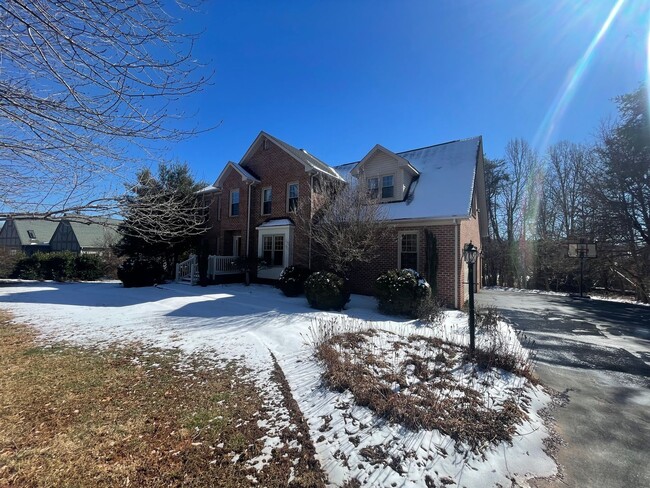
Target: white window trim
[289,195]
[417,247]
[381,186]
[230,202]
[285,230]
[380,179]
[262,200]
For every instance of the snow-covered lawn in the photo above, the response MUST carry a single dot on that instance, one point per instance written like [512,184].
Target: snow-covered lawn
[250,323]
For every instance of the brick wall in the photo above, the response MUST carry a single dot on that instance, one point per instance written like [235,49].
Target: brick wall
[276,169]
[362,279]
[469,231]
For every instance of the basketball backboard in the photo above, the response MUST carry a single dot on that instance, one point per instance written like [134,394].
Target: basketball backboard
[582,250]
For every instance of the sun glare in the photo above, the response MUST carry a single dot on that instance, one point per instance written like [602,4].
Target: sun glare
[557,109]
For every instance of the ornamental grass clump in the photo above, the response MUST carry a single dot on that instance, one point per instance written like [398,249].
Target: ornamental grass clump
[292,280]
[326,291]
[401,292]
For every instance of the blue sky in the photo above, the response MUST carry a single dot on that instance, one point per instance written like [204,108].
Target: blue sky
[337,77]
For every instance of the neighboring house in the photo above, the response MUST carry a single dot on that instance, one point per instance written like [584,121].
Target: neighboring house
[84,237]
[27,235]
[39,235]
[439,189]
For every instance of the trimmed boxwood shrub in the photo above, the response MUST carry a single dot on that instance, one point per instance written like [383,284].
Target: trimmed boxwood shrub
[326,291]
[401,292]
[292,280]
[140,271]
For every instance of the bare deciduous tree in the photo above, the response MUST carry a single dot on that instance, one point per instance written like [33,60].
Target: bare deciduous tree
[83,83]
[345,225]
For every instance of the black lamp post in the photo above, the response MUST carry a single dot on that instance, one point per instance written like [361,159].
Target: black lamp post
[470,253]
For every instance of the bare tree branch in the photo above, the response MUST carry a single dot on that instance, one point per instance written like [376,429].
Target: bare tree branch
[82,84]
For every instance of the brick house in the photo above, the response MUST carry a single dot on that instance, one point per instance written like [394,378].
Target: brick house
[434,191]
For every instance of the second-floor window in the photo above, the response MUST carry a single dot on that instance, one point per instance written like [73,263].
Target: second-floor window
[387,186]
[292,197]
[266,201]
[234,203]
[373,187]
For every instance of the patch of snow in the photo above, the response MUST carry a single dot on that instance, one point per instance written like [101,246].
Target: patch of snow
[235,322]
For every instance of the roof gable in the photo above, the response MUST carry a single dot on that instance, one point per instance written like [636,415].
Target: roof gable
[95,234]
[448,176]
[41,229]
[245,175]
[309,161]
[399,161]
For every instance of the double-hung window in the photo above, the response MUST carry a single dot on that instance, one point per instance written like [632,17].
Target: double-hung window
[266,201]
[408,250]
[234,203]
[292,197]
[387,186]
[273,249]
[383,183]
[373,188]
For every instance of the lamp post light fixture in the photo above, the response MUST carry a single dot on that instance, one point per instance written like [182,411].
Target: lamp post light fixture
[470,254]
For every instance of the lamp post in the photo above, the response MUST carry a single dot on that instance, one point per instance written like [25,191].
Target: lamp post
[470,253]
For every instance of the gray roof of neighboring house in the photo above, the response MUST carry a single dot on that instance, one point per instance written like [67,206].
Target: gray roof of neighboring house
[446,183]
[304,157]
[43,230]
[96,234]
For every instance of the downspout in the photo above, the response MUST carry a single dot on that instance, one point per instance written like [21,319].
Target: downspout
[456,239]
[248,222]
[311,204]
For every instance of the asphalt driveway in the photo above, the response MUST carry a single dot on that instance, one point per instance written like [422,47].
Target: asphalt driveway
[598,354]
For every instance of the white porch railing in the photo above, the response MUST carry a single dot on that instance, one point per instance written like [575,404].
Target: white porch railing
[222,265]
[188,270]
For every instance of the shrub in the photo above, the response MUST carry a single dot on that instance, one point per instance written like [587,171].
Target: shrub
[429,311]
[140,271]
[292,280]
[57,266]
[28,268]
[326,291]
[8,262]
[89,267]
[400,292]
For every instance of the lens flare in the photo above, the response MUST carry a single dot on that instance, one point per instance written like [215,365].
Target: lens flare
[566,93]
[647,78]
[554,116]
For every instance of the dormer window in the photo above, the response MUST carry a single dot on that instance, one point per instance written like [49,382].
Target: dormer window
[373,188]
[31,234]
[387,188]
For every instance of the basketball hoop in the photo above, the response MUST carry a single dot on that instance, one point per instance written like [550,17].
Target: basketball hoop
[582,250]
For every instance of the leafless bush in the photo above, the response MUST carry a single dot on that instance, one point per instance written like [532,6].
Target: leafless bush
[430,311]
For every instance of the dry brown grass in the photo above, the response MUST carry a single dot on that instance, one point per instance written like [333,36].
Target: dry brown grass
[426,402]
[126,417]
